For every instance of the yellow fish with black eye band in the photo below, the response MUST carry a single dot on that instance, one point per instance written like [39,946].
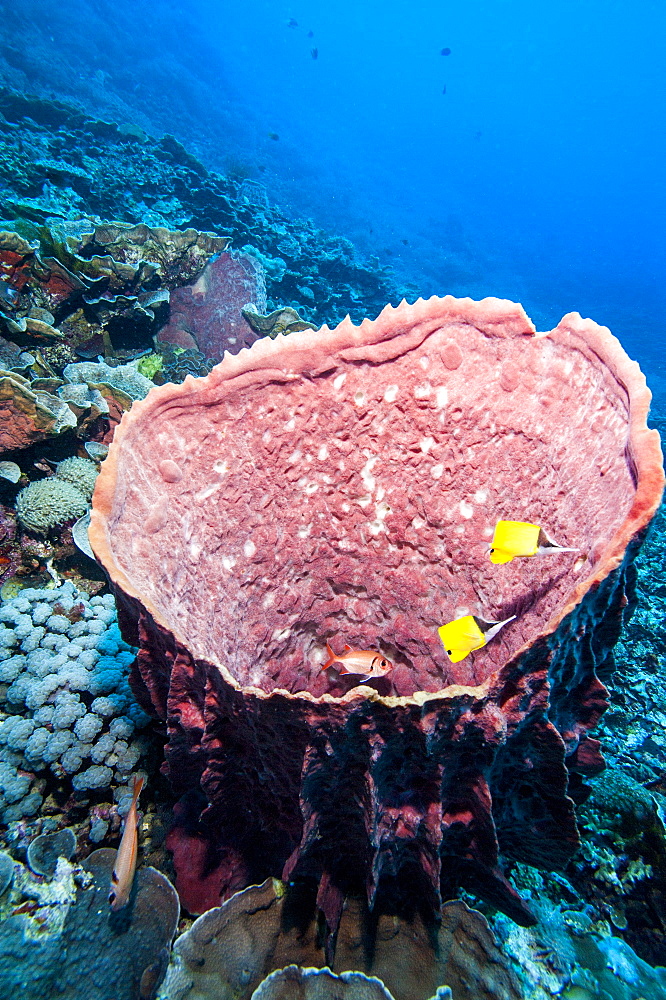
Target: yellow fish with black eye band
[465,635]
[519,538]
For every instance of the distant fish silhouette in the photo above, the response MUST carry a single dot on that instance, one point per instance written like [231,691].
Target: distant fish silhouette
[314,53]
[310,34]
[292,23]
[444,89]
[273,135]
[445,52]
[406,242]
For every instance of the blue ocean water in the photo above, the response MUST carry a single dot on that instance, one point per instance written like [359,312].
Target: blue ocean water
[524,162]
[536,175]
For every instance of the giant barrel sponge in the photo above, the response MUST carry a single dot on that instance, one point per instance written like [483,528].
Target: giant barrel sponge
[343,486]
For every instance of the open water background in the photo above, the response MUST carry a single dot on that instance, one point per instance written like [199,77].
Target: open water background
[537,175]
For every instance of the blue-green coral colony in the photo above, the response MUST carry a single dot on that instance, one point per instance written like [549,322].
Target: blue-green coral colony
[66,697]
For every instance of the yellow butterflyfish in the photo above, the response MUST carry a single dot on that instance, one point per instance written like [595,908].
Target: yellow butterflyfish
[467,634]
[519,538]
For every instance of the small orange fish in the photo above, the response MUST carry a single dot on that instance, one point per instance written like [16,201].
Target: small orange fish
[125,866]
[360,662]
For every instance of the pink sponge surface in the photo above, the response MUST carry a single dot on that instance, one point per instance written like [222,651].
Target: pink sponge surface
[344,485]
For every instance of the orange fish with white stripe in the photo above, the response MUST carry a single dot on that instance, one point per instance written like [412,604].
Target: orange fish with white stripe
[122,876]
[358,662]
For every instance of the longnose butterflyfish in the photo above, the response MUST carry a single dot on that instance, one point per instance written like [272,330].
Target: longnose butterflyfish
[465,635]
[519,538]
[125,864]
[360,662]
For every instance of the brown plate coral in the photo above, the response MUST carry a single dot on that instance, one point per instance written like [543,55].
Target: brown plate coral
[343,485]
[231,949]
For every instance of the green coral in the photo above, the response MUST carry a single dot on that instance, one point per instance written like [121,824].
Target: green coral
[150,365]
[49,503]
[80,472]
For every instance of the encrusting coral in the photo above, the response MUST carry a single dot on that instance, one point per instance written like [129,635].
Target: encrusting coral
[295,983]
[344,486]
[28,415]
[45,849]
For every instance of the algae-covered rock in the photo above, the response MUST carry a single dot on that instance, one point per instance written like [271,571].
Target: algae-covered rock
[620,807]
[67,944]
[568,955]
[6,871]
[150,365]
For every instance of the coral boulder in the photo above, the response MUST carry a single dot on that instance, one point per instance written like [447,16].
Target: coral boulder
[343,486]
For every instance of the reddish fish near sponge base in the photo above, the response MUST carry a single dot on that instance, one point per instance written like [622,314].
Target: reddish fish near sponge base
[360,662]
[125,866]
